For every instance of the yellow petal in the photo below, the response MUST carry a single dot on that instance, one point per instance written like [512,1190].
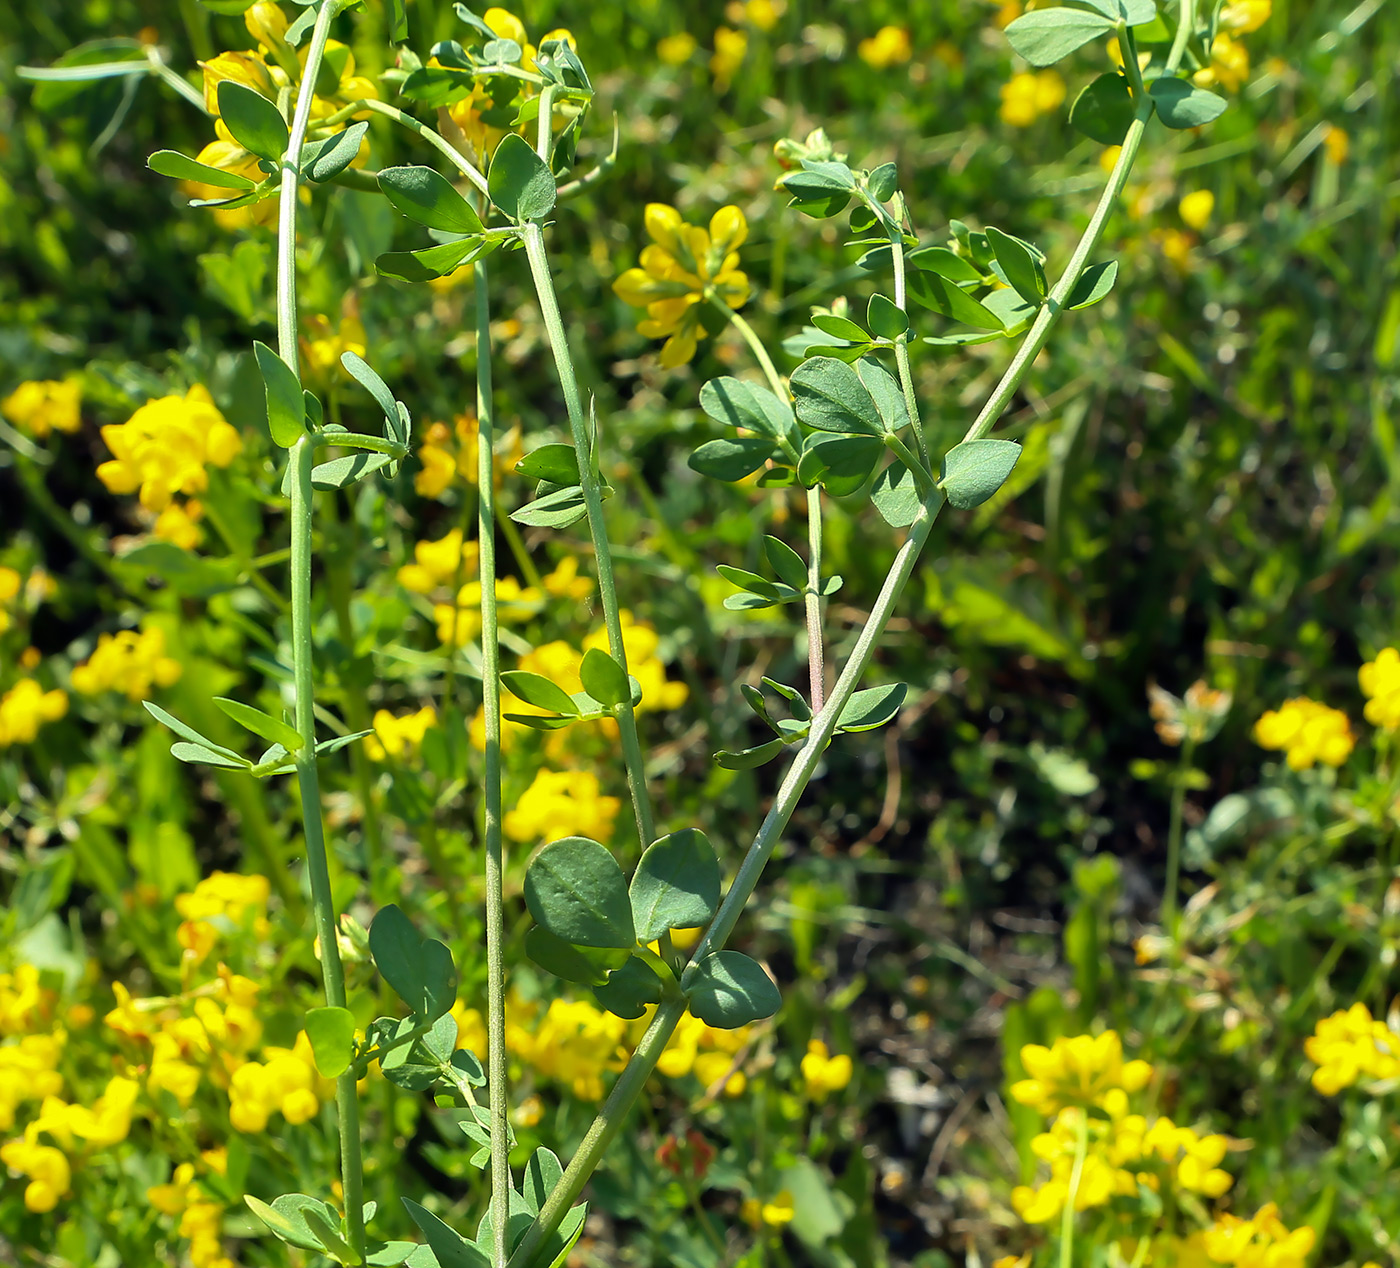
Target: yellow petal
[728,229]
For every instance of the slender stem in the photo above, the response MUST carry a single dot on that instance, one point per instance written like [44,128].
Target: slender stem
[751,338]
[1169,893]
[496,1073]
[901,345]
[632,757]
[546,123]
[177,81]
[816,660]
[458,160]
[1081,1149]
[303,458]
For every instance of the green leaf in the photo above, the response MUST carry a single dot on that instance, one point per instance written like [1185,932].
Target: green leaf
[975,469]
[885,391]
[885,319]
[1183,105]
[174,164]
[520,182]
[840,464]
[432,262]
[451,1248]
[333,155]
[575,889]
[263,725]
[942,296]
[559,1247]
[389,1254]
[198,754]
[539,691]
[438,85]
[559,509]
[1022,269]
[831,397]
[286,409]
[557,463]
[603,678]
[749,758]
[542,1173]
[332,1035]
[945,263]
[1104,111]
[629,989]
[883,182]
[676,885]
[747,405]
[429,198]
[729,990]
[1133,12]
[187,732]
[786,562]
[1007,306]
[420,970]
[871,708]
[256,124]
[896,495]
[1045,36]
[586,966]
[340,473]
[1093,285]
[360,370]
[398,21]
[285,1219]
[732,458]
[840,328]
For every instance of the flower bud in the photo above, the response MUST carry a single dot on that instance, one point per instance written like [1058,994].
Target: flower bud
[266,23]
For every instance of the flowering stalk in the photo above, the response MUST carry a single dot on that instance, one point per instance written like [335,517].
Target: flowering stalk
[302,458]
[584,447]
[667,1016]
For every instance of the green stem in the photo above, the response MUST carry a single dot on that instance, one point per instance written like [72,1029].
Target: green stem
[816,660]
[1169,893]
[496,1072]
[303,458]
[430,135]
[901,346]
[1081,1149]
[533,237]
[517,549]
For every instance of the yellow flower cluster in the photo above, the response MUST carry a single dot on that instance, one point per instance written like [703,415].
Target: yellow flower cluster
[322,346]
[9,591]
[1196,208]
[128,662]
[1263,1241]
[776,1212]
[29,1072]
[201,1217]
[41,406]
[888,47]
[1306,732]
[1351,1045]
[222,903]
[562,804]
[397,737]
[459,623]
[450,453]
[1380,684]
[822,1073]
[26,1004]
[1081,1071]
[1030,94]
[285,1082]
[1229,59]
[25,707]
[731,47]
[442,563]
[47,1169]
[684,267]
[166,446]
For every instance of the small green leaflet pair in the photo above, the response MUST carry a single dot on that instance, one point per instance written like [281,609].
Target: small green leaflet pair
[279,759]
[593,928]
[1105,109]
[607,690]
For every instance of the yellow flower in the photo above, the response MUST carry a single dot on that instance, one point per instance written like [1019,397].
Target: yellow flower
[1307,733]
[50,1176]
[1081,1070]
[41,406]
[565,583]
[227,155]
[1030,94]
[225,896]
[889,46]
[1351,1045]
[1196,208]
[397,737]
[322,347]
[1337,144]
[458,624]
[127,662]
[823,1073]
[165,447]
[1229,65]
[266,23]
[1261,1242]
[676,50]
[285,1082]
[1380,684]
[682,268]
[731,46]
[25,707]
[179,524]
[775,1213]
[1240,17]
[562,804]
[248,69]
[762,14]
[444,562]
